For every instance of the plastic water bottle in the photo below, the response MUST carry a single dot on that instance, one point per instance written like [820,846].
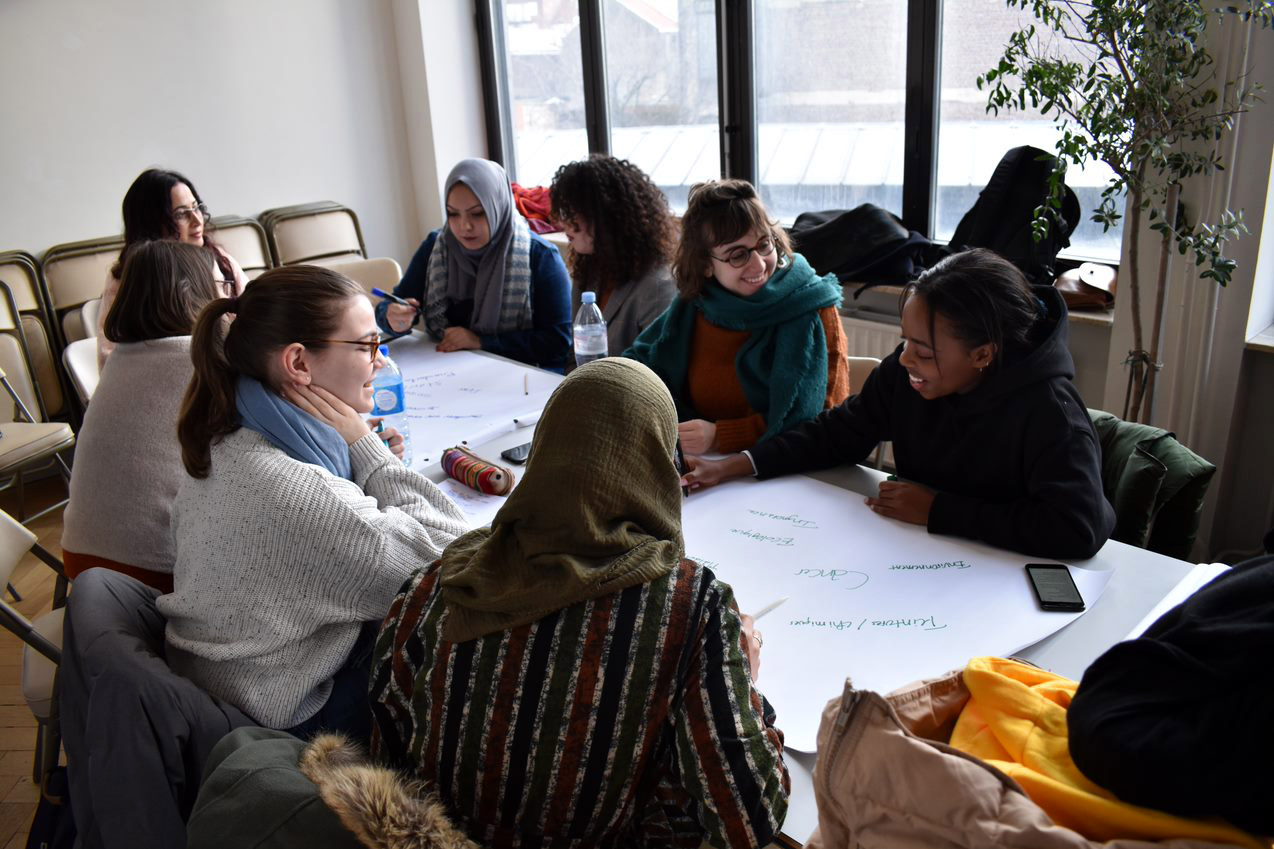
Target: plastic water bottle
[590,330]
[390,398]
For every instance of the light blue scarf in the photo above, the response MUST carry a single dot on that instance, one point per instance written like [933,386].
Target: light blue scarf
[290,429]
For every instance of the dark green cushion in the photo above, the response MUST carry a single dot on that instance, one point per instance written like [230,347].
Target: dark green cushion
[254,795]
[1155,484]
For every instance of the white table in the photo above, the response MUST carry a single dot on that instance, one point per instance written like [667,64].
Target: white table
[1140,579]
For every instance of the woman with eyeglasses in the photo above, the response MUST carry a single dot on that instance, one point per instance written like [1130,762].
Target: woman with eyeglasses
[164,205]
[297,524]
[485,281]
[753,344]
[622,236]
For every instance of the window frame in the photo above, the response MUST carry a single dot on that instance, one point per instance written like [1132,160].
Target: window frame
[737,129]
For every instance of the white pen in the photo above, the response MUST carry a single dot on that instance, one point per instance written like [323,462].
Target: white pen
[527,420]
[769,607]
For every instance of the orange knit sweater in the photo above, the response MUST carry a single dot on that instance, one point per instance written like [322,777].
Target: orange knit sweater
[715,391]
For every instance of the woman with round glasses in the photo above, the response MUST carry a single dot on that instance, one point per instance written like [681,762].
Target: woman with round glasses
[753,343]
[164,205]
[297,524]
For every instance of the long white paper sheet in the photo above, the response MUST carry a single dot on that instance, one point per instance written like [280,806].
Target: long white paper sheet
[1193,581]
[877,600]
[463,396]
[478,507]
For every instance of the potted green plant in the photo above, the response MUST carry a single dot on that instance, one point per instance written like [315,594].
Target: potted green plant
[1133,85]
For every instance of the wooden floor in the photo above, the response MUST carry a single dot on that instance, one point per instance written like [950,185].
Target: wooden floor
[34,582]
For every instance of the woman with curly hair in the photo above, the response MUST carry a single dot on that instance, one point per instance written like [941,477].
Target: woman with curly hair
[622,238]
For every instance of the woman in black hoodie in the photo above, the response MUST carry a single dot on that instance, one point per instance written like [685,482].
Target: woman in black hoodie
[991,439]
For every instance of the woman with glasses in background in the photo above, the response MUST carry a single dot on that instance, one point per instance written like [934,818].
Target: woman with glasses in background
[164,205]
[297,524]
[753,344]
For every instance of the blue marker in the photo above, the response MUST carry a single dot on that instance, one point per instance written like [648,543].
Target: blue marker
[380,293]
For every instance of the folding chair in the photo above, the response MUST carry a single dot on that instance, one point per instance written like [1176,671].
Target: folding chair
[30,441]
[27,338]
[245,240]
[80,359]
[26,437]
[89,314]
[317,233]
[379,273]
[42,638]
[859,368]
[74,273]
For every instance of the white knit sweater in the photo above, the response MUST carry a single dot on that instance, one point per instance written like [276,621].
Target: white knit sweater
[127,459]
[279,562]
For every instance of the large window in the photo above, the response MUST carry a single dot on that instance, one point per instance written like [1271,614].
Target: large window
[831,94]
[545,87]
[827,103]
[661,86]
[971,140]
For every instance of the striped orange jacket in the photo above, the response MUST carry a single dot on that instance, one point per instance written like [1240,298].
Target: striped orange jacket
[627,719]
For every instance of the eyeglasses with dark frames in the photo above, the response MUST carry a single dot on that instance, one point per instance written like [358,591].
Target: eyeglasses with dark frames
[374,343]
[739,256]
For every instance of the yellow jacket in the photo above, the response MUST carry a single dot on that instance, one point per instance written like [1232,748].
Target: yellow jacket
[1015,720]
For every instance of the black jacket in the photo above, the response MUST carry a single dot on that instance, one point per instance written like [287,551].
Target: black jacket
[1015,462]
[1179,719]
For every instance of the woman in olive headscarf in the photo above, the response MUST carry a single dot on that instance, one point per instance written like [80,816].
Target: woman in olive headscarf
[485,280]
[567,675]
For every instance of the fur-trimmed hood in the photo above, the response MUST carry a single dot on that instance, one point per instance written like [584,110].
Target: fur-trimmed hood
[383,810]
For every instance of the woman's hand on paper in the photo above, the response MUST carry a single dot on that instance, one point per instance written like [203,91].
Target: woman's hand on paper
[701,473]
[906,502]
[459,339]
[390,436]
[401,318]
[329,409]
[697,436]
[752,643]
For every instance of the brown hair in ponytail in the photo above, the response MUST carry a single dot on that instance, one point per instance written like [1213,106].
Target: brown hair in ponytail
[297,303]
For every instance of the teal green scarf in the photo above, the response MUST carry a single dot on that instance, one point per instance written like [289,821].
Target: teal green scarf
[782,367]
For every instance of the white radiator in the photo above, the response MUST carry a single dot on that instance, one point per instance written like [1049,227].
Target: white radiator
[869,338]
[877,339]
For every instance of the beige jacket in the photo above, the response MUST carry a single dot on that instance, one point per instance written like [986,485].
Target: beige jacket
[885,779]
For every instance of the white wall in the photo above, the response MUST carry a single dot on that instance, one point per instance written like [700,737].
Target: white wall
[261,103]
[438,50]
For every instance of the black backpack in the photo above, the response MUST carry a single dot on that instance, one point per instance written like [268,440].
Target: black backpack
[1001,218]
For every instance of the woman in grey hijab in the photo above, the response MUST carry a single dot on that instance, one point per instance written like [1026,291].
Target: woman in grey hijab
[485,280]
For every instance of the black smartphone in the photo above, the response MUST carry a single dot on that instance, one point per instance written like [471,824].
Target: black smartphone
[1054,587]
[517,454]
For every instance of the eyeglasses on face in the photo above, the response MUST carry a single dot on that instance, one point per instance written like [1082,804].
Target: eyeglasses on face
[194,213]
[372,343]
[739,256]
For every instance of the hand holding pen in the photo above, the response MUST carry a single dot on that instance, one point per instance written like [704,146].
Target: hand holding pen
[752,640]
[402,312]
